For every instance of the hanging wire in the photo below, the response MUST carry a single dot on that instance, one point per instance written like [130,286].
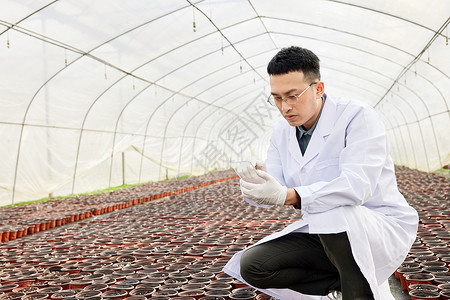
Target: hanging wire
[446,35]
[7,39]
[229,42]
[194,27]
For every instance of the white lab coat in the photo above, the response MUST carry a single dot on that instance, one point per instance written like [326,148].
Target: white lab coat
[347,184]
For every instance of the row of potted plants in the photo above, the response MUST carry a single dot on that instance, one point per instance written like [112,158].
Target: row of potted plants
[425,272]
[177,246]
[24,220]
[158,249]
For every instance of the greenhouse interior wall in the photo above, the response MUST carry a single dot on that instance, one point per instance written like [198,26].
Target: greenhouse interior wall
[105,93]
[96,95]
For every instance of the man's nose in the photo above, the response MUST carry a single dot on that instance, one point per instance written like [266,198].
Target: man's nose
[285,107]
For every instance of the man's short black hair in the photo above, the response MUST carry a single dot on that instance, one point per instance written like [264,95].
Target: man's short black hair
[293,59]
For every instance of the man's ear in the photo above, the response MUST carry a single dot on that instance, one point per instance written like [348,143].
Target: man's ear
[320,89]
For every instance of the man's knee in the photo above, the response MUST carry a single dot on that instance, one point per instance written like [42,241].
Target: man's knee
[252,271]
[249,268]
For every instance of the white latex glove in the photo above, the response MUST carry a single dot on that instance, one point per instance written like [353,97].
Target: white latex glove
[258,164]
[247,172]
[270,192]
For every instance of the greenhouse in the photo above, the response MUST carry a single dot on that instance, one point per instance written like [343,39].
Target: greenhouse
[129,120]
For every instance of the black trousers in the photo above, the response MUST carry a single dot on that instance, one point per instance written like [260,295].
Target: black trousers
[307,263]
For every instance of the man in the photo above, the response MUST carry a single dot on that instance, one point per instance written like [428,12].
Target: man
[330,159]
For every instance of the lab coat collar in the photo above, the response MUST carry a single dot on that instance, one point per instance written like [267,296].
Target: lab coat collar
[319,137]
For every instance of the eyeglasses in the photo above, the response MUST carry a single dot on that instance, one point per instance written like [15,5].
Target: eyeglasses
[292,99]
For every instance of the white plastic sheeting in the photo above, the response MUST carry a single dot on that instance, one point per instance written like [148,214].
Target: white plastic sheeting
[95,94]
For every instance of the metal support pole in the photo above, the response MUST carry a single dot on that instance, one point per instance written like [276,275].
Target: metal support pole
[123,168]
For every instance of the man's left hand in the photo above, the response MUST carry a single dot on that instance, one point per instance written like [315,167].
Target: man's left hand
[270,192]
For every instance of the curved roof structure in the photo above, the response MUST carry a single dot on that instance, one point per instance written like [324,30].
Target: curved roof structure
[95,94]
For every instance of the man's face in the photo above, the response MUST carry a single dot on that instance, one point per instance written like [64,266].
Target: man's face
[307,108]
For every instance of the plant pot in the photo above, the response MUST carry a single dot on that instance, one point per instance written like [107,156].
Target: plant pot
[153,281]
[132,282]
[5,236]
[263,296]
[96,287]
[175,282]
[192,293]
[12,296]
[26,290]
[423,287]
[168,293]
[137,298]
[203,275]
[441,274]
[7,288]
[445,294]
[80,284]
[148,286]
[104,271]
[218,293]
[436,263]
[180,275]
[212,298]
[123,287]
[123,273]
[71,269]
[145,292]
[243,295]
[218,286]
[424,258]
[418,278]
[435,269]
[50,290]
[224,276]
[403,271]
[423,295]
[115,294]
[63,283]
[64,294]
[137,276]
[444,286]
[439,281]
[84,294]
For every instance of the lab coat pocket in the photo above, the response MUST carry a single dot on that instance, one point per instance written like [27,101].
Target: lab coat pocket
[325,170]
